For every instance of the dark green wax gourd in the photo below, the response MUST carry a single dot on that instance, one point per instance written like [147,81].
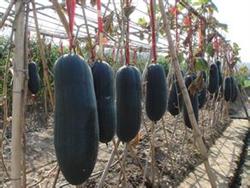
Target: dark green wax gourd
[227,88]
[76,121]
[34,79]
[213,83]
[218,63]
[156,95]
[202,98]
[128,102]
[104,91]
[194,102]
[234,90]
[175,100]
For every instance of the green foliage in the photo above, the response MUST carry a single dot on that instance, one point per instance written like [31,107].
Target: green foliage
[164,62]
[242,76]
[210,49]
[142,22]
[201,64]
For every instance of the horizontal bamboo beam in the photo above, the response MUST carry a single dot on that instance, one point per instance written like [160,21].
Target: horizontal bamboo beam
[6,14]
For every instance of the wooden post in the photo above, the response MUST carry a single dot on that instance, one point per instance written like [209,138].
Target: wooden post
[18,96]
[196,131]
[42,53]
[62,17]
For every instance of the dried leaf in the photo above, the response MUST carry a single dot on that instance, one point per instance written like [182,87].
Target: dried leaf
[93,3]
[83,2]
[128,10]
[141,35]
[196,85]
[108,23]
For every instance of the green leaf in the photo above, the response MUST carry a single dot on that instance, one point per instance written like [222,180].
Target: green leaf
[142,22]
[201,64]
[213,6]
[210,49]
[200,2]
[222,26]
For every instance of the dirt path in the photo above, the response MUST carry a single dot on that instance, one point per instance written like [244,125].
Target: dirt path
[223,157]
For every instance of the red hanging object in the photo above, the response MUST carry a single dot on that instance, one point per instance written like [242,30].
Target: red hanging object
[127,53]
[201,34]
[71,6]
[176,27]
[99,17]
[152,16]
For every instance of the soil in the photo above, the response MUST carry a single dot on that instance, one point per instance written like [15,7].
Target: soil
[174,152]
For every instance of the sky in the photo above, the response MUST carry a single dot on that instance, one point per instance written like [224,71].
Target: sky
[237,15]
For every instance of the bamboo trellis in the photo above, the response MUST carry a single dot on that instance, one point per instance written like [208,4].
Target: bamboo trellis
[56,26]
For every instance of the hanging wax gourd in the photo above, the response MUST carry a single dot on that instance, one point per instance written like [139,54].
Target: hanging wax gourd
[104,90]
[202,98]
[218,63]
[234,90]
[76,122]
[227,88]
[194,102]
[175,100]
[213,83]
[34,79]
[156,93]
[128,102]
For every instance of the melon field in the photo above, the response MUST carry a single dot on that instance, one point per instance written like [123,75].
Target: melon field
[123,93]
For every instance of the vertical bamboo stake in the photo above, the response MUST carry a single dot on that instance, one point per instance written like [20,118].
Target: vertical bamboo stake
[196,131]
[62,17]
[18,96]
[26,59]
[5,88]
[42,53]
[112,156]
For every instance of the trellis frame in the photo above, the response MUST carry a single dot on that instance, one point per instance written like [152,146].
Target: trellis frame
[20,76]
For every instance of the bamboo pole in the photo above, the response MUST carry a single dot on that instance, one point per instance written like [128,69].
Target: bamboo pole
[26,59]
[6,14]
[5,89]
[196,131]
[105,172]
[42,53]
[62,17]
[18,96]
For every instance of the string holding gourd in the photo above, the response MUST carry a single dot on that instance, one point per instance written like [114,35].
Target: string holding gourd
[176,27]
[127,52]
[71,6]
[152,18]
[201,35]
[104,88]
[100,29]
[190,40]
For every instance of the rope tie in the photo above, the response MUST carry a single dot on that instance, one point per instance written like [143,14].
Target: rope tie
[152,17]
[71,6]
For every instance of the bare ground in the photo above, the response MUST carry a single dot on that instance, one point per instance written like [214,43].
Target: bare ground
[175,154]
